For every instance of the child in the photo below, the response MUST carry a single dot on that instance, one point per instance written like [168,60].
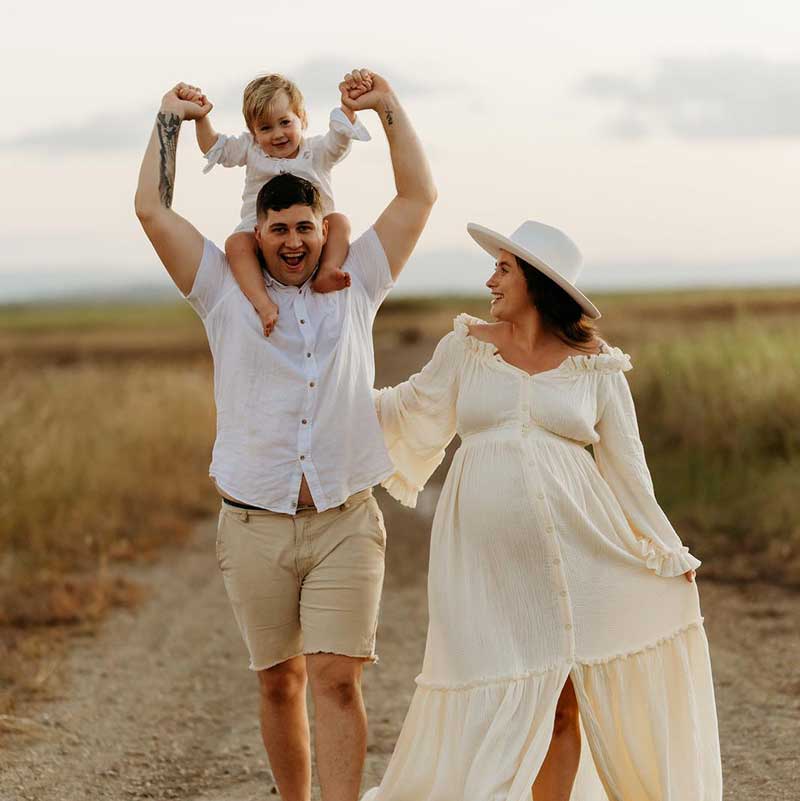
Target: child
[273,144]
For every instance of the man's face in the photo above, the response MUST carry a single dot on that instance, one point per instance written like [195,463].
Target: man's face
[291,241]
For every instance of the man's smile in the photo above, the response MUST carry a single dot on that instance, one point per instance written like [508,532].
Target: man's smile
[293,260]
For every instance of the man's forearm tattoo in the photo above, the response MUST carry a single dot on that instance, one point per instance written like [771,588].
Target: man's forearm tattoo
[168,125]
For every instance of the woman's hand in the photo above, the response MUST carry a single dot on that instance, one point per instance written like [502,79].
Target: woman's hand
[689,575]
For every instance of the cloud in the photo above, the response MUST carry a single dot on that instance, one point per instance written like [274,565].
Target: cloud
[102,132]
[318,79]
[733,96]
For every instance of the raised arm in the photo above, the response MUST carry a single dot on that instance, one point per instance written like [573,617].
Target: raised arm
[400,225]
[177,242]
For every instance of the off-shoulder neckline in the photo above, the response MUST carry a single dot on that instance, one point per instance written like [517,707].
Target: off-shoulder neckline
[609,359]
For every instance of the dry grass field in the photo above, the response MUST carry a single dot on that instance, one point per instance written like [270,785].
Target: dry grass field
[106,419]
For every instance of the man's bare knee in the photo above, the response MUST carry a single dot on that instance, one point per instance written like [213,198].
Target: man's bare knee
[282,684]
[336,679]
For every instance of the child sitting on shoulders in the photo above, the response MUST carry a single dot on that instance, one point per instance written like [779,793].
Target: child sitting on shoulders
[273,144]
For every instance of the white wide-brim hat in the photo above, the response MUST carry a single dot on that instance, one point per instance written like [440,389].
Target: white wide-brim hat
[546,248]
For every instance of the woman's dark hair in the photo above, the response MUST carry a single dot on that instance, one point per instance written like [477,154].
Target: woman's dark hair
[560,312]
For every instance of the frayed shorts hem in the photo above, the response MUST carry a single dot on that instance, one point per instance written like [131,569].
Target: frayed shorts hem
[371,659]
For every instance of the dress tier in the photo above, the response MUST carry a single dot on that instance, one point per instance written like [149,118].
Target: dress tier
[545,564]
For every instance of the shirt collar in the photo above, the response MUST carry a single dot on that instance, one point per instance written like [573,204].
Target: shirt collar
[274,283]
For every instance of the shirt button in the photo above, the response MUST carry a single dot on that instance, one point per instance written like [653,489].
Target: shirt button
[568,627]
[556,562]
[563,593]
[309,355]
[540,496]
[302,322]
[549,529]
[311,383]
[302,457]
[305,422]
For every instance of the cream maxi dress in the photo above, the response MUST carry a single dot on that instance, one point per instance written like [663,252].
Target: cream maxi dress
[546,564]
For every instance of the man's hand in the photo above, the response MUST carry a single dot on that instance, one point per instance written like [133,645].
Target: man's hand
[362,89]
[359,87]
[188,102]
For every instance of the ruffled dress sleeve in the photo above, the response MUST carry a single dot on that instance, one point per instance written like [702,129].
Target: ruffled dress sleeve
[229,151]
[331,148]
[418,418]
[621,461]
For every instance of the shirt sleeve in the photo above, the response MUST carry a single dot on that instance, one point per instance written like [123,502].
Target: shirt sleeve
[213,281]
[331,148]
[621,461]
[418,418]
[369,268]
[229,151]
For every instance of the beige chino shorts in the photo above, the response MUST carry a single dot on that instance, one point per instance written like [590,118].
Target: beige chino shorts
[305,583]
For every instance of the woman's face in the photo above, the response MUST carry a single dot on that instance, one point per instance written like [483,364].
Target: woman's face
[510,298]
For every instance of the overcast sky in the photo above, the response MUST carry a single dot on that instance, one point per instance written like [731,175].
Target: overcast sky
[665,139]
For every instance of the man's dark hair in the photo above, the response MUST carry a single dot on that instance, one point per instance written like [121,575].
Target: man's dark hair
[284,191]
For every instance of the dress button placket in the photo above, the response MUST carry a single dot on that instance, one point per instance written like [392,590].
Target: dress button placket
[551,543]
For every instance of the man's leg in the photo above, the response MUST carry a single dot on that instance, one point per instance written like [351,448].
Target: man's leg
[284,727]
[341,724]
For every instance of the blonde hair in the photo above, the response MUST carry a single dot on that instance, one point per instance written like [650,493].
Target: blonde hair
[260,94]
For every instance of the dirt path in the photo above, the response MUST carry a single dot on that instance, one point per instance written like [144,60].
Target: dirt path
[159,703]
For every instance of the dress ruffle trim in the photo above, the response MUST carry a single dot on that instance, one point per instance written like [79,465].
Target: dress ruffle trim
[461,326]
[648,647]
[493,681]
[667,563]
[488,681]
[401,490]
[609,360]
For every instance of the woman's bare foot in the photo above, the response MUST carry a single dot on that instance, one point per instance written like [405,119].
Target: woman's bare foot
[331,281]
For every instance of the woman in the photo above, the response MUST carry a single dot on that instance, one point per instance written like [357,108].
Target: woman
[561,600]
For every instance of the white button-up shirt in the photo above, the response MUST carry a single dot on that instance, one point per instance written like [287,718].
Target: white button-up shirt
[299,402]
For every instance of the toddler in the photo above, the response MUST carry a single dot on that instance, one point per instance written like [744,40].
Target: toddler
[275,114]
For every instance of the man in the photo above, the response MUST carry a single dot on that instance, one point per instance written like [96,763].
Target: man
[298,447]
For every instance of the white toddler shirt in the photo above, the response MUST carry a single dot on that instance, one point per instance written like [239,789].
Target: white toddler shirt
[315,159]
[299,402]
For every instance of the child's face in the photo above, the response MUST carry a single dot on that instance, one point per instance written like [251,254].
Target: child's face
[279,134]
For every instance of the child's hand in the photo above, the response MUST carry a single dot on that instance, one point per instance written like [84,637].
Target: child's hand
[192,93]
[362,89]
[176,101]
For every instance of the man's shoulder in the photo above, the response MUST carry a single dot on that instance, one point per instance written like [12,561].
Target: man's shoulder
[212,281]
[366,248]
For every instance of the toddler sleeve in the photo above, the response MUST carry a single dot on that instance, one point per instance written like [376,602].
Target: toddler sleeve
[229,151]
[331,148]
[418,418]
[621,461]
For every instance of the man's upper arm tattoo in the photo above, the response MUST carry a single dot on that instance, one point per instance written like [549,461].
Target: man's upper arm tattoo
[168,126]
